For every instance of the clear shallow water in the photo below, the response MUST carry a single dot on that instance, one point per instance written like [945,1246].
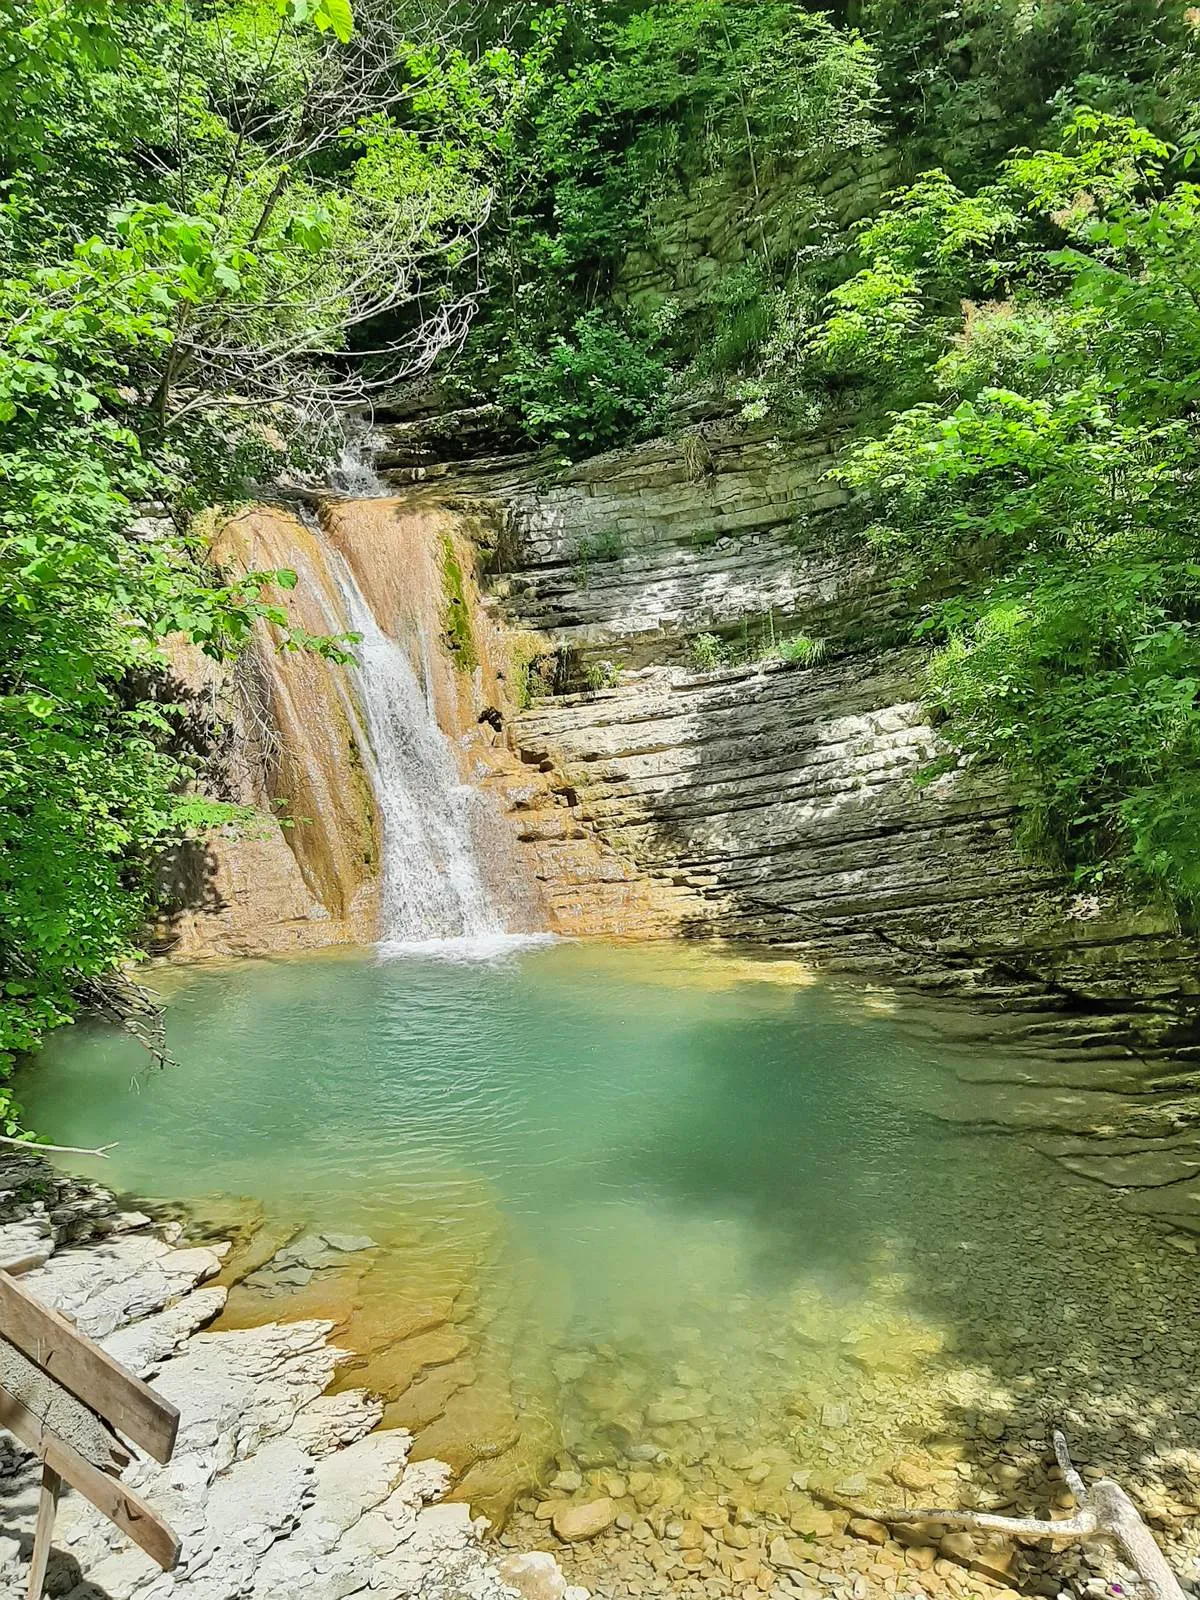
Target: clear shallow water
[675,1205]
[549,1082]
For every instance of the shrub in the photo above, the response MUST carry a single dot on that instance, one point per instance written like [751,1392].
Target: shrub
[603,383]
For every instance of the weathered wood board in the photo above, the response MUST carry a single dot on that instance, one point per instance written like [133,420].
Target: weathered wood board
[89,1372]
[59,1411]
[119,1503]
[61,1395]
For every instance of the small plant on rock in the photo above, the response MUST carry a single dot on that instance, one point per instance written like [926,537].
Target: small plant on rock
[800,650]
[707,651]
[605,545]
[600,674]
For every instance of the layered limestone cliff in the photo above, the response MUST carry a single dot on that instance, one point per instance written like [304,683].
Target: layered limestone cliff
[630,792]
[295,737]
[794,804]
[794,793]
[807,802]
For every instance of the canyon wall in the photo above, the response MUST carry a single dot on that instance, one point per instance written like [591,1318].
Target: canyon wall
[279,733]
[799,796]
[633,794]
[801,805]
[289,734]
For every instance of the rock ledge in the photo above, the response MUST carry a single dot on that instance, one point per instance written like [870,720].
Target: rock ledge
[276,1488]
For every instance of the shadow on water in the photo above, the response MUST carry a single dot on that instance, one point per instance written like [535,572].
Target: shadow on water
[1066,1308]
[813,1173]
[679,1141]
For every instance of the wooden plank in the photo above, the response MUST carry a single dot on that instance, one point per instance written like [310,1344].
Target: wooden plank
[44,1531]
[118,1503]
[89,1372]
[61,1412]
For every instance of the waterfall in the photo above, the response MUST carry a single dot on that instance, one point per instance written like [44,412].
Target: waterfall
[432,886]
[372,762]
[354,474]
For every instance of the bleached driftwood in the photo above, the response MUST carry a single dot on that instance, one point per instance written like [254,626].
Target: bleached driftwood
[59,1149]
[1104,1512]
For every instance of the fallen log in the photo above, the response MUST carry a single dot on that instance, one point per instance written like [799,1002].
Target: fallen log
[1104,1513]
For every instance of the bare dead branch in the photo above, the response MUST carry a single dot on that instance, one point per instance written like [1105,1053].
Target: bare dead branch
[59,1149]
[1105,1514]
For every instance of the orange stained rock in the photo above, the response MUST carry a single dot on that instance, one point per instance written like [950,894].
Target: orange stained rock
[300,751]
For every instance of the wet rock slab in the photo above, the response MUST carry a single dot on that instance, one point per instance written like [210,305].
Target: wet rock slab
[277,1487]
[297,1263]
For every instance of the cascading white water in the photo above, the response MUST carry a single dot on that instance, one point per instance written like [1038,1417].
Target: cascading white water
[354,474]
[432,887]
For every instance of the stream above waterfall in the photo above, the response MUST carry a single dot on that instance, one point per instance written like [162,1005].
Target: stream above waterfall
[654,1209]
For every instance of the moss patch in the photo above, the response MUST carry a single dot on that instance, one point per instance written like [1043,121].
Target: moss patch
[457,616]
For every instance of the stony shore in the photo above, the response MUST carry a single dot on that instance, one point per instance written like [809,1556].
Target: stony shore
[661,1461]
[277,1488]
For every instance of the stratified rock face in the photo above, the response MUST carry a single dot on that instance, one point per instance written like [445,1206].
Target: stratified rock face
[276,1488]
[631,554]
[723,221]
[788,803]
[305,873]
[295,743]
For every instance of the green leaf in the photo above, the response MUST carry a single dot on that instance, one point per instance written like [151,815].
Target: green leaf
[335,14]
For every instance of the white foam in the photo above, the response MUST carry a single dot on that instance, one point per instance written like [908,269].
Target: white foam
[465,947]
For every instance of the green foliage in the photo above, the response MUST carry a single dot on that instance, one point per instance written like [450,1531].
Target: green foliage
[740,312]
[668,91]
[756,642]
[1051,478]
[90,770]
[199,204]
[626,107]
[800,650]
[706,651]
[602,384]
[600,675]
[969,81]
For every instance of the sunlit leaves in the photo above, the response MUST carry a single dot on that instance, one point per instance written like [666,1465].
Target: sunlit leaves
[159,217]
[334,16]
[1053,480]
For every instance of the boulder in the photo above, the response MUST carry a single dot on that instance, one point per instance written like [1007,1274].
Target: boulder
[578,1522]
[911,1474]
[668,1413]
[535,1576]
[870,1530]
[782,1556]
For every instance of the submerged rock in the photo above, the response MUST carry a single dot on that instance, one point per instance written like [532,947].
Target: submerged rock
[870,1530]
[349,1243]
[575,1522]
[667,1413]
